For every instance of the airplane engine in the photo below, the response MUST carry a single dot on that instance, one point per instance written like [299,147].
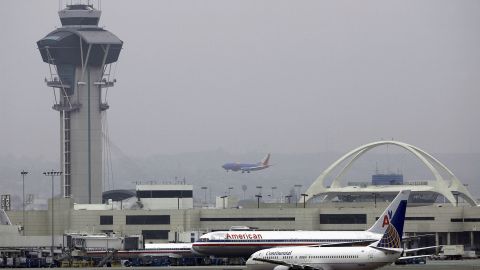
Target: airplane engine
[281,267]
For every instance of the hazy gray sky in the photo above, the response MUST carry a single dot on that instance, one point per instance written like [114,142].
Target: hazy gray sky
[276,76]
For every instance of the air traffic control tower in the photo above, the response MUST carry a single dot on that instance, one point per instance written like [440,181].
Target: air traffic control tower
[79,55]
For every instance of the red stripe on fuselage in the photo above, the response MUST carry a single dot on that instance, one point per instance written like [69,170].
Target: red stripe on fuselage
[255,244]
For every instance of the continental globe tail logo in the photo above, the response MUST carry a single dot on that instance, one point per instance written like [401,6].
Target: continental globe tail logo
[390,238]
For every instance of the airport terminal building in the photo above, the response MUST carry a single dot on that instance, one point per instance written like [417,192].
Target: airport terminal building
[448,224]
[163,213]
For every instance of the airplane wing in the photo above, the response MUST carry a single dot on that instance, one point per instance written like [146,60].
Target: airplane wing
[413,257]
[290,265]
[249,169]
[397,250]
[153,254]
[418,249]
[346,244]
[409,238]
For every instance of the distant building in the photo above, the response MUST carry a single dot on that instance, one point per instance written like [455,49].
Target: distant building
[387,179]
[226,202]
[165,196]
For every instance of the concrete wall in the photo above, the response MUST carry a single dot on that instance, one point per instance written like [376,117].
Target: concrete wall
[167,203]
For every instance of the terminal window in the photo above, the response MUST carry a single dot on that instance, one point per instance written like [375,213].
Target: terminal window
[106,220]
[164,194]
[343,219]
[248,219]
[148,220]
[471,219]
[155,234]
[416,218]
[419,218]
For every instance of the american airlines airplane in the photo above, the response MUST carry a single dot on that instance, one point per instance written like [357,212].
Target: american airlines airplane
[245,243]
[246,167]
[382,252]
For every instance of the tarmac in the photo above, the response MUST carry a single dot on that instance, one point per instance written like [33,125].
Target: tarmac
[430,265]
[438,265]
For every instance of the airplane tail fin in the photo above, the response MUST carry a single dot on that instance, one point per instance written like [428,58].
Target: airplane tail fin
[392,236]
[393,215]
[265,160]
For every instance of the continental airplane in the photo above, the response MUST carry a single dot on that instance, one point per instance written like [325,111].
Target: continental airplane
[382,252]
[245,167]
[245,243]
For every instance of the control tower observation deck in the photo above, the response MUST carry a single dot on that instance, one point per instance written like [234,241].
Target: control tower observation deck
[80,55]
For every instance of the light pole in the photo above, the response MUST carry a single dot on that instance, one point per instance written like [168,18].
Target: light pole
[304,196]
[456,193]
[259,190]
[288,198]
[179,198]
[230,190]
[258,200]
[244,188]
[297,186]
[205,191]
[52,173]
[23,173]
[273,189]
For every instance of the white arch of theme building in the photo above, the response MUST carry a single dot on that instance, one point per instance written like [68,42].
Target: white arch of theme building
[449,187]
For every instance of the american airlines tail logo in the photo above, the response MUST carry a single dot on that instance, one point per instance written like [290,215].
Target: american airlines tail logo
[386,219]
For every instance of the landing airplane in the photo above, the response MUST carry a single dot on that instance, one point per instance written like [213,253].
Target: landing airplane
[380,253]
[245,243]
[245,167]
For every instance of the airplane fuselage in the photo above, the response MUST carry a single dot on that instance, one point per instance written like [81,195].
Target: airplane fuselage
[244,167]
[248,167]
[245,243]
[327,258]
[237,166]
